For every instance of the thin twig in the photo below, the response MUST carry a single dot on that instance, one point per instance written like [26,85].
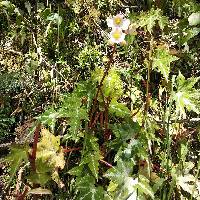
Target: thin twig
[67,150]
[106,163]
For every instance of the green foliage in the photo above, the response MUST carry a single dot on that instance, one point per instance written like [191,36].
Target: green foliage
[119,118]
[87,189]
[17,156]
[161,62]
[119,109]
[112,84]
[186,96]
[150,19]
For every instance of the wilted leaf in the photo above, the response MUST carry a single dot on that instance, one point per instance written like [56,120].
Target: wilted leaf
[40,191]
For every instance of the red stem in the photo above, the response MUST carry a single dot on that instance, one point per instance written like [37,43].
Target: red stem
[100,84]
[32,157]
[106,163]
[71,149]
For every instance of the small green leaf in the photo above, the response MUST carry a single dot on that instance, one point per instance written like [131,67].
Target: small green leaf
[144,187]
[92,159]
[119,109]
[76,171]
[39,178]
[94,164]
[112,186]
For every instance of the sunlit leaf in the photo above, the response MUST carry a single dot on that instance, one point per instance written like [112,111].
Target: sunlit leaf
[162,60]
[194,19]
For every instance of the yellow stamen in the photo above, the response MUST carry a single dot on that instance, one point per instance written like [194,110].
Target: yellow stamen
[117,20]
[116,35]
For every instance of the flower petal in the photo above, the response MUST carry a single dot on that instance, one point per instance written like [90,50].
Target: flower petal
[110,22]
[117,36]
[125,24]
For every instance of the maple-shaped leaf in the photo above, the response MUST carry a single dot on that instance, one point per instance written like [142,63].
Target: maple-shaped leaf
[122,185]
[16,157]
[186,96]
[92,155]
[73,110]
[161,61]
[87,189]
[92,159]
[49,158]
[150,19]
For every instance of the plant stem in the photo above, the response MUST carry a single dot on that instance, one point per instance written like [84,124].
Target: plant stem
[32,157]
[100,85]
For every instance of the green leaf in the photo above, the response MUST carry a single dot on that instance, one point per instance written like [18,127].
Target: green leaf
[87,190]
[74,111]
[94,163]
[49,117]
[149,19]
[189,34]
[16,157]
[186,96]
[122,185]
[76,171]
[118,173]
[92,155]
[162,60]
[39,178]
[144,187]
[112,84]
[118,109]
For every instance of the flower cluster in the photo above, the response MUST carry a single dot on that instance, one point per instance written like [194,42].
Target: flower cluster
[118,24]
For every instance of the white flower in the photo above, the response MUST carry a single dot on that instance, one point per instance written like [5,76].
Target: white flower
[117,36]
[118,21]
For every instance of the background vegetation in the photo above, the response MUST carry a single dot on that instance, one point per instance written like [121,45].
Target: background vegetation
[81,119]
